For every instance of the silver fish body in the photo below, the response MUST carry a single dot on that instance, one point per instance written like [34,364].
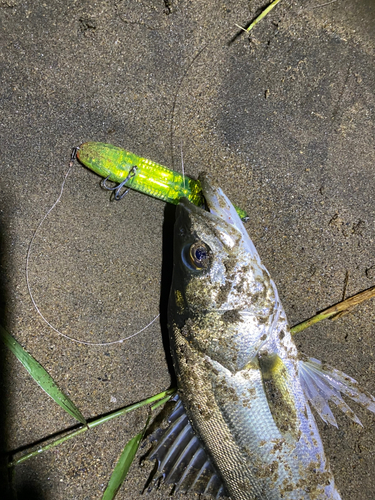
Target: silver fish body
[237,366]
[238,370]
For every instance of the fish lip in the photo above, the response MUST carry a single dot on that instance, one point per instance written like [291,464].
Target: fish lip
[209,187]
[190,207]
[214,207]
[184,212]
[185,203]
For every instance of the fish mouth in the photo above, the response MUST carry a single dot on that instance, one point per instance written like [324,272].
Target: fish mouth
[219,213]
[189,207]
[189,216]
[221,207]
[216,203]
[185,212]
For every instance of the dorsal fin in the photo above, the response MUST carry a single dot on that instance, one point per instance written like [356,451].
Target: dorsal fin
[182,460]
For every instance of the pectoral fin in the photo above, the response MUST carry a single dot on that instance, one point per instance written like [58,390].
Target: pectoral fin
[321,383]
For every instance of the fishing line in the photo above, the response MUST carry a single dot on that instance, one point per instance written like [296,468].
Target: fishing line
[29,285]
[176,96]
[179,86]
[182,165]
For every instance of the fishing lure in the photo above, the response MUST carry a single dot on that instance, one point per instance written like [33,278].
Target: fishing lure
[133,172]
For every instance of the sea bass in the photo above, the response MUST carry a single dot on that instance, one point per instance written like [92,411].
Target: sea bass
[243,425]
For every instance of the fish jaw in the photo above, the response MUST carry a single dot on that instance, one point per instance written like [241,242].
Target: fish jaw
[219,205]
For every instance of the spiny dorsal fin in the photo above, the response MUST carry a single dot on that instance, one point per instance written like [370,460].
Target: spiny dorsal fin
[321,383]
[182,460]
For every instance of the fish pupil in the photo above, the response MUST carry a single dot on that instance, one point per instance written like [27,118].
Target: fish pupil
[199,255]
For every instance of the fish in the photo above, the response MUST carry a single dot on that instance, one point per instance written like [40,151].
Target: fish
[243,425]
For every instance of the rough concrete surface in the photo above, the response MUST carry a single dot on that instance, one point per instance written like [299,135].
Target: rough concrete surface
[285,122]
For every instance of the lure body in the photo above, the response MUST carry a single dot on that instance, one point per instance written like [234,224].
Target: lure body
[149,178]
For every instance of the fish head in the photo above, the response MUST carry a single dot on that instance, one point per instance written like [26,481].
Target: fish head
[220,289]
[216,266]
[205,246]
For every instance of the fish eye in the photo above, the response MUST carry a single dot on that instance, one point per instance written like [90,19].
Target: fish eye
[196,256]
[199,255]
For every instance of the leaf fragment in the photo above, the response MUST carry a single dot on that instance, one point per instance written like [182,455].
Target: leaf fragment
[122,467]
[40,375]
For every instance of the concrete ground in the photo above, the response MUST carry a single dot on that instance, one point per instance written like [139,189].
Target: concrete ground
[285,121]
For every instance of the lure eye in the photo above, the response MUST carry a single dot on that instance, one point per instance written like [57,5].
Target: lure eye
[199,255]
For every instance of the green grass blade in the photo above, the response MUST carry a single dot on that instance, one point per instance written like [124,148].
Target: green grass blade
[161,402]
[40,376]
[165,396]
[122,467]
[263,14]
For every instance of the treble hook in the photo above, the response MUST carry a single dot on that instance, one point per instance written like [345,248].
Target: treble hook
[117,189]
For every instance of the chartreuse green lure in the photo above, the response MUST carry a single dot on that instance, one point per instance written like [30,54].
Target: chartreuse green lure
[127,169]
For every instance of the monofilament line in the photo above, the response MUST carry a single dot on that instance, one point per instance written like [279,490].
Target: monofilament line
[182,165]
[31,293]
